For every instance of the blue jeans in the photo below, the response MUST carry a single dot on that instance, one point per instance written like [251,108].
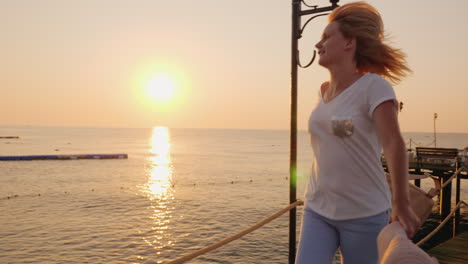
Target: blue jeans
[357,239]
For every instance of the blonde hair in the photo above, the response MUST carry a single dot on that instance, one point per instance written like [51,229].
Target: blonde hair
[362,21]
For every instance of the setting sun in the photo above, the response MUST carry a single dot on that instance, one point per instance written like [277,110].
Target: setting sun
[161,88]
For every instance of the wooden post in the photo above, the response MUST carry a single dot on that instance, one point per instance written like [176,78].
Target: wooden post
[417,182]
[445,195]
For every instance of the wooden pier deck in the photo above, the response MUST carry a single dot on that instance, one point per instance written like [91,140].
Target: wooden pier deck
[453,251]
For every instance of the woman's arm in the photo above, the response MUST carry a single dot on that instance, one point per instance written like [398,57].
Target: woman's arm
[386,122]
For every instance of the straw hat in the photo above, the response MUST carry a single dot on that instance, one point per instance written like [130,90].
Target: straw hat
[395,247]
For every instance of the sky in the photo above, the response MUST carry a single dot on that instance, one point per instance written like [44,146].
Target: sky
[92,62]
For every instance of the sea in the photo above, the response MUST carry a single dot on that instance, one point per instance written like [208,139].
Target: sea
[179,191]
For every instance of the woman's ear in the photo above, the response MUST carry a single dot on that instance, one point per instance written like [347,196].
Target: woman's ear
[350,44]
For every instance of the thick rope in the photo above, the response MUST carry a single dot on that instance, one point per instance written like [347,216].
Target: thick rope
[236,236]
[412,177]
[453,176]
[461,203]
[436,191]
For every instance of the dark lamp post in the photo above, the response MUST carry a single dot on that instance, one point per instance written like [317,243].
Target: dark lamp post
[296,32]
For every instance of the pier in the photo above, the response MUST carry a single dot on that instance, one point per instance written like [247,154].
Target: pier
[447,167]
[452,251]
[443,166]
[63,157]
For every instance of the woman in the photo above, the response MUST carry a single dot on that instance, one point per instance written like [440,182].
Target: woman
[348,199]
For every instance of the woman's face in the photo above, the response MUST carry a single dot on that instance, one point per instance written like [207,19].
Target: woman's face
[333,47]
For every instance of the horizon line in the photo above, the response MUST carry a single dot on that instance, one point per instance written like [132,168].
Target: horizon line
[212,128]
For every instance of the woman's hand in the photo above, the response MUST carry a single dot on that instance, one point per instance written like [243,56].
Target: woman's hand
[407,218]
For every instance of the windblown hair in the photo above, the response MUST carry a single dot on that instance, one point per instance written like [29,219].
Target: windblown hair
[362,21]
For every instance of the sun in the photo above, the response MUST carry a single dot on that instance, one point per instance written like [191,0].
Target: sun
[161,88]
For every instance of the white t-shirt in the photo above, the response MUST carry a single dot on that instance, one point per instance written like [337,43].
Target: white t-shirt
[347,179]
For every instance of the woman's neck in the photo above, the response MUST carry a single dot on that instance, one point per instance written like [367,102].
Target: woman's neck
[340,79]
[343,75]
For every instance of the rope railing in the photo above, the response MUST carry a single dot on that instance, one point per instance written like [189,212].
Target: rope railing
[453,176]
[457,207]
[236,236]
[293,205]
[419,144]
[422,241]
[436,191]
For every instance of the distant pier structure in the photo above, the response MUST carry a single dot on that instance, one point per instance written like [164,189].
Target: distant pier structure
[10,137]
[445,166]
[64,157]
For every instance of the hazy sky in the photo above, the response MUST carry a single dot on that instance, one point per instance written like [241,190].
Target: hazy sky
[86,62]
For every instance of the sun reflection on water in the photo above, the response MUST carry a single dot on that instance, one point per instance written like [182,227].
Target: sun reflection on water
[160,172]
[159,190]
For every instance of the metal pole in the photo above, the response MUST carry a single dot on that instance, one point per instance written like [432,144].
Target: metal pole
[297,12]
[456,218]
[435,137]
[296,21]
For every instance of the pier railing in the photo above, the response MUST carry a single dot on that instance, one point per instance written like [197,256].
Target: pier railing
[455,213]
[236,236]
[437,229]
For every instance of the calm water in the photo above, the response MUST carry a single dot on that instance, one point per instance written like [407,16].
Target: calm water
[180,190]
